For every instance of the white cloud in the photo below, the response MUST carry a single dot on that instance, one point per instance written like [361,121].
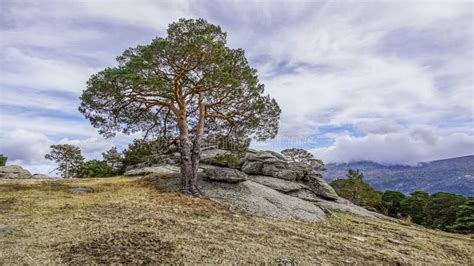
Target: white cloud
[42,74]
[397,148]
[325,62]
[30,147]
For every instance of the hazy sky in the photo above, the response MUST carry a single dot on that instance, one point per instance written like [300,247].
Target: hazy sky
[356,80]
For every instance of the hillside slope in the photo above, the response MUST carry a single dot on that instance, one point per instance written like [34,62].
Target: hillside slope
[129,221]
[454,175]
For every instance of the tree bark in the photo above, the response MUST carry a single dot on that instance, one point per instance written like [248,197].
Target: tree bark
[66,172]
[196,151]
[186,165]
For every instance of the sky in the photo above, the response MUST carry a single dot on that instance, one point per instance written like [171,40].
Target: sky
[387,81]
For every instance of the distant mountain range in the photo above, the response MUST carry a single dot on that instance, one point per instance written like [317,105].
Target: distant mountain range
[454,175]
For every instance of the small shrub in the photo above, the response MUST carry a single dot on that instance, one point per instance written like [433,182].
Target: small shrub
[94,168]
[3,160]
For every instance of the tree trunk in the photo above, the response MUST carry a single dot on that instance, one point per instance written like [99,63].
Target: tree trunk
[186,165]
[196,155]
[66,173]
[187,169]
[196,152]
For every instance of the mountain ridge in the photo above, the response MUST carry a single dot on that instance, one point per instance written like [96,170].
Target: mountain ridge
[453,175]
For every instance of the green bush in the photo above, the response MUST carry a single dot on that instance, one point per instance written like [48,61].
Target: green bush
[464,218]
[147,152]
[237,149]
[3,160]
[442,208]
[392,202]
[415,206]
[94,168]
[357,191]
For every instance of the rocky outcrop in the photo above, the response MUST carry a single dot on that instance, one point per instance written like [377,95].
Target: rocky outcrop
[41,176]
[265,184]
[277,184]
[227,175]
[318,186]
[80,190]
[160,170]
[263,201]
[221,158]
[14,172]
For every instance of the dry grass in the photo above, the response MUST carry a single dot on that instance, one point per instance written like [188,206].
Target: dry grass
[125,221]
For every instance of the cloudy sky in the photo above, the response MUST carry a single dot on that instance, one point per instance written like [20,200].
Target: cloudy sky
[390,81]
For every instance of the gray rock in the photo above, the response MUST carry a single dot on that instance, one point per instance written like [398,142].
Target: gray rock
[213,157]
[359,238]
[344,205]
[394,241]
[282,171]
[319,187]
[14,172]
[5,231]
[251,197]
[252,167]
[277,184]
[160,170]
[41,176]
[278,155]
[225,175]
[285,262]
[206,166]
[305,194]
[81,190]
[318,165]
[262,201]
[262,155]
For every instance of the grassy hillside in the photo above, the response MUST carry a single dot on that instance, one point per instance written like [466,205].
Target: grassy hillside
[129,222]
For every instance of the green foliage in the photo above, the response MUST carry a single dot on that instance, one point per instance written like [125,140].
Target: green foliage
[3,160]
[441,209]
[392,202]
[114,160]
[414,206]
[354,174]
[147,152]
[155,86]
[236,149]
[303,156]
[298,155]
[94,168]
[444,211]
[68,157]
[357,191]
[464,218]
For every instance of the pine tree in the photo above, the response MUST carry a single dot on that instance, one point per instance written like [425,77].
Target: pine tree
[68,157]
[464,218]
[186,84]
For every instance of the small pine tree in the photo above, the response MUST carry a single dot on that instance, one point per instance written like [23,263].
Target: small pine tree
[355,174]
[113,159]
[464,218]
[3,160]
[415,206]
[392,202]
[68,157]
[441,209]
[357,191]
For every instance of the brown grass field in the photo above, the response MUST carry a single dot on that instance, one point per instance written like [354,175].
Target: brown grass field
[128,222]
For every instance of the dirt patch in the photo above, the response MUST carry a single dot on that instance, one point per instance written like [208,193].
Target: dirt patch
[123,248]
